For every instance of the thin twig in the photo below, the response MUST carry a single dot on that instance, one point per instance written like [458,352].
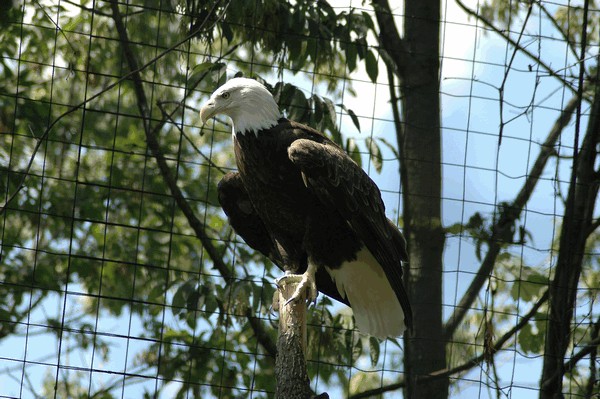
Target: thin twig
[595,224]
[559,28]
[506,37]
[507,71]
[583,352]
[394,44]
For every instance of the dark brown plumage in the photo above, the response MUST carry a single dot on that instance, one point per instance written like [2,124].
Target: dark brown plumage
[300,200]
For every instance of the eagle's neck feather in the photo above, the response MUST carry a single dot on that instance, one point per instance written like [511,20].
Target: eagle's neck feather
[259,112]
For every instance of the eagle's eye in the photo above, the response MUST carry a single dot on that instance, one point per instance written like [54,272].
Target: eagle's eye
[225,95]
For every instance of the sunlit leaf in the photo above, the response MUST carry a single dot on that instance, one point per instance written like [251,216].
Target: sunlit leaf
[375,154]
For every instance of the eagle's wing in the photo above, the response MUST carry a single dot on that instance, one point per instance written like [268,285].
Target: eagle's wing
[241,214]
[341,185]
[246,222]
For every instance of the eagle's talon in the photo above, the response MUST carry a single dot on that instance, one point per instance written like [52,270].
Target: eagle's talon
[306,282]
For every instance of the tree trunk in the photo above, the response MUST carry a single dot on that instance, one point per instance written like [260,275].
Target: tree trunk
[576,226]
[425,349]
[416,59]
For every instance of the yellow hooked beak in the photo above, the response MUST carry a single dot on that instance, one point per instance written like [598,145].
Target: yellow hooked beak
[208,110]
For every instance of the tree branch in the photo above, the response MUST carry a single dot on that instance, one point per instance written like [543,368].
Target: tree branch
[507,71]
[195,223]
[504,224]
[593,378]
[261,334]
[388,37]
[395,101]
[591,347]
[88,9]
[578,216]
[586,350]
[595,224]
[370,393]
[290,364]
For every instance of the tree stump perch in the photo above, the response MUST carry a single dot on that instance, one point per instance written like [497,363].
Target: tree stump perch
[290,362]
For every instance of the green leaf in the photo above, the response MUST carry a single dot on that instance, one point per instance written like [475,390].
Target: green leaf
[455,229]
[180,298]
[529,340]
[352,116]
[374,350]
[375,154]
[390,147]
[298,106]
[330,110]
[330,121]
[371,66]
[226,31]
[354,119]
[200,71]
[318,108]
[357,349]
[73,24]
[207,66]
[368,20]
[530,287]
[503,256]
[352,151]
[351,56]
[361,47]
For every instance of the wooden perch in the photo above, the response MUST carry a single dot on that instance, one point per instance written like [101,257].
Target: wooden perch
[290,362]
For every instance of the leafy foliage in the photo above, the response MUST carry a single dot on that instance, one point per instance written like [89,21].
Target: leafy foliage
[95,220]
[95,213]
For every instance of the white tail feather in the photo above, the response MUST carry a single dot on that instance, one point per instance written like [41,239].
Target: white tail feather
[376,308]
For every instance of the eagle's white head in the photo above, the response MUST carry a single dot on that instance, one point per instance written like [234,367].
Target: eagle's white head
[247,102]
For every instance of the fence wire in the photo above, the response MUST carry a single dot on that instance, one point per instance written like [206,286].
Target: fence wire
[120,276]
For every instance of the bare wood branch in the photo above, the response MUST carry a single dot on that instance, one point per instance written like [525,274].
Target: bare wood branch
[586,350]
[88,9]
[261,334]
[290,364]
[389,39]
[507,71]
[503,225]
[379,391]
[395,103]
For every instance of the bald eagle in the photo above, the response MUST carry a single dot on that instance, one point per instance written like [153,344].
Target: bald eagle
[300,200]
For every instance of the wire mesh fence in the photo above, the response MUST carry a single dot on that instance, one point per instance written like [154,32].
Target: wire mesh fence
[120,275]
